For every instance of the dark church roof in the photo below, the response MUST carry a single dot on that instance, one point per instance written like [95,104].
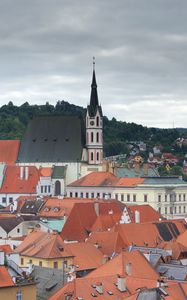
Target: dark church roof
[53,139]
[94,103]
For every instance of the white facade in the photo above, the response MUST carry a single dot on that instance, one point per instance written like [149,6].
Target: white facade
[170,201]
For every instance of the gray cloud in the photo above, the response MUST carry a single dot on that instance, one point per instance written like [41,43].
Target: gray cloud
[46,48]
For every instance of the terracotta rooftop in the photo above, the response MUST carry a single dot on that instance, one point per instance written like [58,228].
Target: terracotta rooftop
[108,242]
[147,213]
[43,245]
[5,278]
[14,184]
[9,151]
[106,179]
[86,256]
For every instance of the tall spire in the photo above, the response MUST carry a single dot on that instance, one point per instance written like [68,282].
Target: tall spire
[94,103]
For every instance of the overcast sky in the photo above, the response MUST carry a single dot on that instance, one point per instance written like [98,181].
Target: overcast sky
[46,50]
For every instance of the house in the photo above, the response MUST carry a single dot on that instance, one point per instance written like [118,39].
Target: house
[45,250]
[16,287]
[167,195]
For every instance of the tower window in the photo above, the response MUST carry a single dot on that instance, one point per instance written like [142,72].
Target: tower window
[97,137]
[92,137]
[92,156]
[97,121]
[97,155]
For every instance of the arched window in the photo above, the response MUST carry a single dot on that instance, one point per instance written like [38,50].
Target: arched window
[97,121]
[97,156]
[92,156]
[97,137]
[92,137]
[57,188]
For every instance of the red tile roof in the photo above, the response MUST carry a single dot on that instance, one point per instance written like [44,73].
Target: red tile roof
[43,245]
[108,242]
[14,184]
[9,151]
[147,213]
[106,179]
[6,248]
[5,278]
[139,266]
[86,256]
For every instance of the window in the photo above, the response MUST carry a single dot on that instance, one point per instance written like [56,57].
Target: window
[159,209]
[40,263]
[128,197]
[42,189]
[179,209]
[45,188]
[87,195]
[22,261]
[19,295]
[97,155]
[76,194]
[30,261]
[166,210]
[109,196]
[175,209]
[3,199]
[145,198]
[92,137]
[122,197]
[159,198]
[18,230]
[10,200]
[97,121]
[103,195]
[184,197]
[81,194]
[92,156]
[92,195]
[171,209]
[71,194]
[179,197]
[97,137]
[116,196]
[49,189]
[55,264]
[166,196]
[184,209]
[98,195]
[134,198]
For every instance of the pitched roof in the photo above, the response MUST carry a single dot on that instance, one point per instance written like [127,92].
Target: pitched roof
[147,213]
[14,184]
[77,227]
[106,179]
[6,248]
[53,139]
[5,278]
[108,242]
[9,151]
[10,223]
[182,238]
[43,245]
[127,263]
[86,256]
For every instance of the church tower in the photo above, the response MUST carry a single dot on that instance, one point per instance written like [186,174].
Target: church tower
[94,126]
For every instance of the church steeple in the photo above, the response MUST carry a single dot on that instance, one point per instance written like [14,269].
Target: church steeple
[94,103]
[94,125]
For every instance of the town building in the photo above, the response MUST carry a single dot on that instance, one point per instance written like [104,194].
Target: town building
[168,195]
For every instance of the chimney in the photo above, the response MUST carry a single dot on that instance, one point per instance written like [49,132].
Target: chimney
[99,288]
[21,172]
[96,207]
[137,216]
[121,283]
[26,173]
[128,269]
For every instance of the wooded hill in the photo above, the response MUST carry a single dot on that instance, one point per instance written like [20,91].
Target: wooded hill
[14,119]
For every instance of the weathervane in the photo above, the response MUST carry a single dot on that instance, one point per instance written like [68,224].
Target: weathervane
[93,62]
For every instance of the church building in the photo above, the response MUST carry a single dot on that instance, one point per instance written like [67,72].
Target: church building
[71,144]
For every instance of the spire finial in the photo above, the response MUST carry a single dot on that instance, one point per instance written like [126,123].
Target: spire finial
[93,63]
